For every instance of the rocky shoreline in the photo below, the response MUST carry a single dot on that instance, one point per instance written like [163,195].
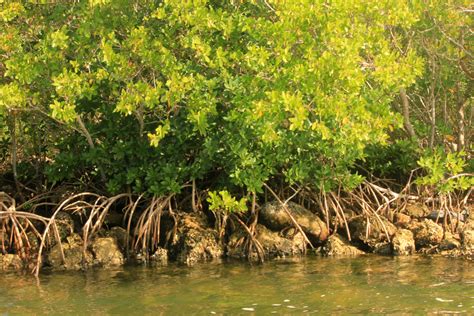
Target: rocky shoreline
[281,231]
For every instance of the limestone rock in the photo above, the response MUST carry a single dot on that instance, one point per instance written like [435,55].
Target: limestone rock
[337,246]
[274,216]
[33,241]
[449,242]
[235,248]
[73,254]
[426,233]
[106,252]
[160,256]
[383,248]
[375,233]
[10,262]
[403,243]
[417,210]
[65,224]
[120,235]
[402,220]
[194,240]
[274,244]
[467,238]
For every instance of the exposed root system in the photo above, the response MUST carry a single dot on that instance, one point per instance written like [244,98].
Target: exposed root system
[29,233]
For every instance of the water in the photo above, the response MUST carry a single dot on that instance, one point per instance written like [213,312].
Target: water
[340,286]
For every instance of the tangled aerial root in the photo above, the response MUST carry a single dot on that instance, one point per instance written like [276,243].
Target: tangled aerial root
[375,200]
[21,225]
[18,229]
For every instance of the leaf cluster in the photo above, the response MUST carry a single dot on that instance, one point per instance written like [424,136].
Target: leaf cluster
[230,93]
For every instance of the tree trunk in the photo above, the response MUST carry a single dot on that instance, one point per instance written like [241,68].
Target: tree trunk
[406,114]
[14,145]
[14,152]
[461,127]
[433,112]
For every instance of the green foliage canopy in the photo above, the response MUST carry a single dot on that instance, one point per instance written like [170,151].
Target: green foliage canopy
[230,92]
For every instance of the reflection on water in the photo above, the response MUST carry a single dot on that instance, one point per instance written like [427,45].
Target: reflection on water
[363,285]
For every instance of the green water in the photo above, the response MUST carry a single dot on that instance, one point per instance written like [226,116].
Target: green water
[379,285]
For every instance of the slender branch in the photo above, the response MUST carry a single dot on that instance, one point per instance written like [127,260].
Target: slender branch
[87,135]
[269,6]
[390,192]
[459,45]
[193,197]
[85,132]
[461,126]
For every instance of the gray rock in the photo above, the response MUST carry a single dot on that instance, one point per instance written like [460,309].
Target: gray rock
[338,246]
[274,216]
[106,252]
[439,215]
[403,243]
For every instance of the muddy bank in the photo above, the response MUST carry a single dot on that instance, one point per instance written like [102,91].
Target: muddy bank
[281,231]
